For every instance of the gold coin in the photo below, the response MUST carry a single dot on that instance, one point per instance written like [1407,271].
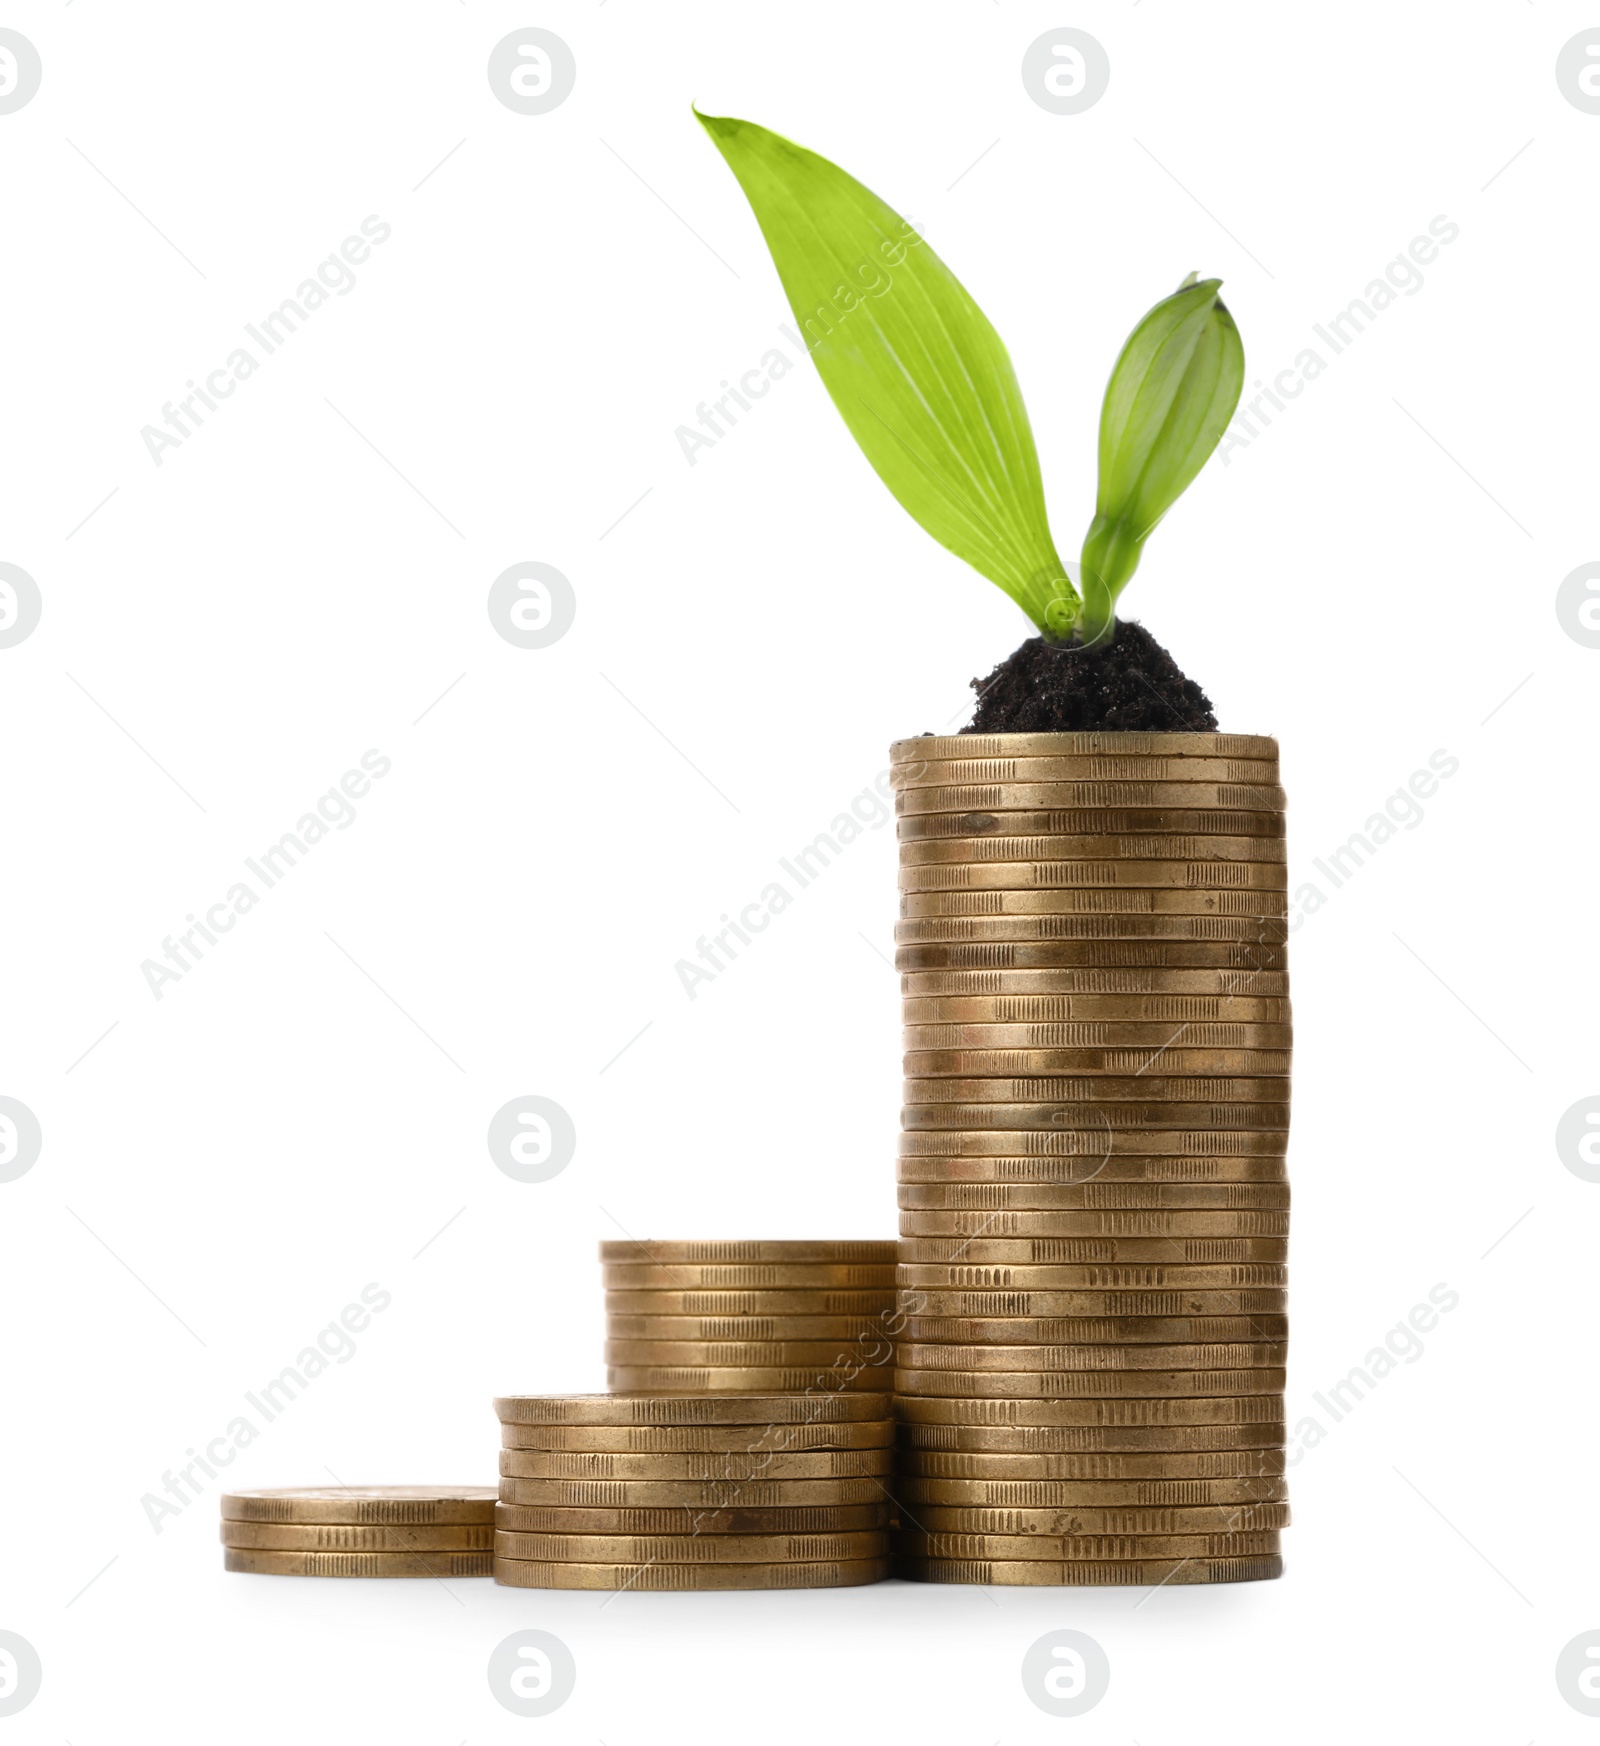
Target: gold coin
[1173,1009]
[924,772]
[719,1465]
[709,1276]
[989,1306]
[659,1578]
[1087,1384]
[358,1537]
[731,1253]
[1142,1039]
[1075,1548]
[987,918]
[1192,796]
[1095,979]
[697,1439]
[1098,742]
[1150,1222]
[659,1408]
[1066,1439]
[1102,1118]
[839,1329]
[715,1493]
[1120,1170]
[1048,1251]
[382,1505]
[1037,875]
[1186,1464]
[749,1303]
[1121,909]
[854,1377]
[1056,1493]
[1242,1355]
[1143,1331]
[1160,1087]
[987,823]
[870,1349]
[435,1564]
[1105,1197]
[804,1519]
[1078,1143]
[1110,1276]
[1152,1573]
[1016,846]
[1102,955]
[693,1548]
[1242,1409]
[1075,1521]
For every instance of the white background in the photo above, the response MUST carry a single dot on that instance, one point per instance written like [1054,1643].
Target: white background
[304,1112]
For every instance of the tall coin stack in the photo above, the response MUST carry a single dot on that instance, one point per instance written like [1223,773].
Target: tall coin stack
[700,1491]
[731,1317]
[360,1530]
[1092,1169]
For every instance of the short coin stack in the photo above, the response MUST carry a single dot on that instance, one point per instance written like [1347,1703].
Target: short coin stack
[360,1530]
[732,1317]
[705,1491]
[1094,1204]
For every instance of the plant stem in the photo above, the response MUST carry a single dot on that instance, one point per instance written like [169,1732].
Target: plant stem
[1111,552]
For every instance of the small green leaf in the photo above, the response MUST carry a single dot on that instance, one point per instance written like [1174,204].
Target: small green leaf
[916,371]
[1169,399]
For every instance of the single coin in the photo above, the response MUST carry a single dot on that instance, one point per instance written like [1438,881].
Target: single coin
[622,1408]
[385,1505]
[1152,1573]
[697,1439]
[1122,909]
[1237,956]
[1048,1251]
[1066,1439]
[724,1464]
[1149,1036]
[728,1253]
[709,1276]
[692,1548]
[1184,1464]
[1087,1384]
[1145,1332]
[986,917]
[1076,1521]
[659,1578]
[1104,1118]
[1120,1169]
[1098,742]
[252,1562]
[1111,1306]
[1215,1410]
[744,1328]
[827,1302]
[1096,767]
[1054,1493]
[1096,1196]
[1010,1009]
[1161,1087]
[1076,1143]
[1088,821]
[854,1377]
[716,1493]
[868,1349]
[358,1537]
[1095,980]
[1240,1355]
[1148,1222]
[1075,1548]
[1036,875]
[1110,1277]
[1192,796]
[1091,846]
[702,1519]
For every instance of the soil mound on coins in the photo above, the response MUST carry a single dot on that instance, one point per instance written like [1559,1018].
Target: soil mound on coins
[1129,683]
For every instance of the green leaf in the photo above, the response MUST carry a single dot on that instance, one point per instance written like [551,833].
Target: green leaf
[917,373]
[1169,399]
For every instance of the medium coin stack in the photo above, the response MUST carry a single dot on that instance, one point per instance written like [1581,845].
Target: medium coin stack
[360,1530]
[1094,1203]
[705,1491]
[733,1317]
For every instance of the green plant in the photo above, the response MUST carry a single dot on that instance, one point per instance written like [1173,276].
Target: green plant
[926,386]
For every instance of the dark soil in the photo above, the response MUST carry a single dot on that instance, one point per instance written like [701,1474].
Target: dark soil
[1129,683]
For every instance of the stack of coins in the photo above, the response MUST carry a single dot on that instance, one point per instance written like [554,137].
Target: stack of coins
[663,1491]
[731,1317]
[1094,1204]
[360,1530]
